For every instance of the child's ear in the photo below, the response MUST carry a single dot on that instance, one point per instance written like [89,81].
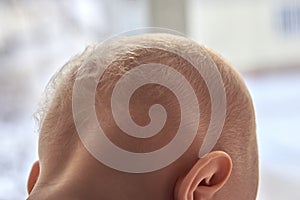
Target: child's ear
[206,177]
[33,176]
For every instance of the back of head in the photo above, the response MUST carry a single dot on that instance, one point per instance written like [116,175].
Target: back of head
[61,148]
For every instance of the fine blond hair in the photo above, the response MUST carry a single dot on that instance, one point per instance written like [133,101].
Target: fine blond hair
[238,137]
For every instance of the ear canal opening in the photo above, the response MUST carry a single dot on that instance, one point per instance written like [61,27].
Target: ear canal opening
[207,181]
[202,183]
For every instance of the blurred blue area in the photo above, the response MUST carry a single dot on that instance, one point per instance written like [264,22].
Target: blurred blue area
[276,99]
[37,38]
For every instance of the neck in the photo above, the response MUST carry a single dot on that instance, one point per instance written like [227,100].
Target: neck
[92,191]
[86,178]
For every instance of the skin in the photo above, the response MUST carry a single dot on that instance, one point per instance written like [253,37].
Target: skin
[66,170]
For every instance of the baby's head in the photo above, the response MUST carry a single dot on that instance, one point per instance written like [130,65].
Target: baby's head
[76,163]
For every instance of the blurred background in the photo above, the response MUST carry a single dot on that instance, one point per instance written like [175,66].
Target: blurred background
[261,38]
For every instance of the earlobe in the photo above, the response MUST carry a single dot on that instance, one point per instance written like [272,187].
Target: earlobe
[206,177]
[33,176]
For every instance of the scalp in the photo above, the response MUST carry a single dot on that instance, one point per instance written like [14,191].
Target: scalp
[238,137]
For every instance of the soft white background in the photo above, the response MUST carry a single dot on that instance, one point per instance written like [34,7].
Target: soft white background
[38,37]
